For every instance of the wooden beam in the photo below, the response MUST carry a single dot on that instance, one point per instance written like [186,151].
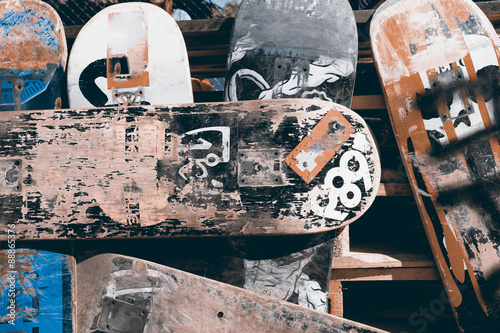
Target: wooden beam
[368,102]
[394,190]
[366,266]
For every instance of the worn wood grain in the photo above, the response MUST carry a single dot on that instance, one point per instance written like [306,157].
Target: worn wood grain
[196,169]
[118,293]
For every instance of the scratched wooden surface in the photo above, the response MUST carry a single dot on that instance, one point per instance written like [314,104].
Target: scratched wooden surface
[33,56]
[439,64]
[37,291]
[140,59]
[245,168]
[124,294]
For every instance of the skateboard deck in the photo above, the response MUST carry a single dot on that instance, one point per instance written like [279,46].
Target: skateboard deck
[282,49]
[33,56]
[243,168]
[124,294]
[438,62]
[299,49]
[36,290]
[129,54]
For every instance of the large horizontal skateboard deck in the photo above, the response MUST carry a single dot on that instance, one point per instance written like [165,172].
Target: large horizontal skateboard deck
[438,61]
[293,49]
[36,290]
[128,54]
[247,168]
[32,57]
[124,294]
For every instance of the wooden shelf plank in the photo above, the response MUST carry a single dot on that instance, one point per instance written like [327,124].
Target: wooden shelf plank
[367,266]
[356,259]
[368,102]
[394,190]
[385,274]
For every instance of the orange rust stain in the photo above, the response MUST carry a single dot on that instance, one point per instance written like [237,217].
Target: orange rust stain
[328,136]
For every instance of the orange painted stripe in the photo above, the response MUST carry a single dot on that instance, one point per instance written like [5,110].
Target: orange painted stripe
[495,148]
[443,109]
[479,98]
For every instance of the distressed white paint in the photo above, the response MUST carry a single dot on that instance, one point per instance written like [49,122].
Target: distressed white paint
[125,31]
[168,67]
[306,160]
[481,51]
[361,142]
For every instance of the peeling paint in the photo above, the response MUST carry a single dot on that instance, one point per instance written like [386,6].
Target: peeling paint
[116,172]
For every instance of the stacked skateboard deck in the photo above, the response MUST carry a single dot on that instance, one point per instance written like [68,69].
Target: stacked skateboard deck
[37,291]
[252,168]
[33,56]
[439,65]
[291,49]
[140,59]
[47,292]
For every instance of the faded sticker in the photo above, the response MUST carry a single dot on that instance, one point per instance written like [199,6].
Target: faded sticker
[341,185]
[127,54]
[203,152]
[320,146]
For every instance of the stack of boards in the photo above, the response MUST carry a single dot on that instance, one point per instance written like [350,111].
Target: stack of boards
[117,164]
[133,157]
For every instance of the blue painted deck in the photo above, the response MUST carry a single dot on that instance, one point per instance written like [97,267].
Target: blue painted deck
[39,284]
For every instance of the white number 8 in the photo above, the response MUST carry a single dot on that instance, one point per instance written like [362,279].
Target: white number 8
[340,181]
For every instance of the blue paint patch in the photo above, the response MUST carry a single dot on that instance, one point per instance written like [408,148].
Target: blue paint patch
[34,83]
[42,283]
[31,89]
[39,26]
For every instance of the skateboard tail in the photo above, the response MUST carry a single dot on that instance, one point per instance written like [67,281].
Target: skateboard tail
[140,60]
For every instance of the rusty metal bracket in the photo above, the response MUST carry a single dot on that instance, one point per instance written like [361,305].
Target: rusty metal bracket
[10,176]
[261,167]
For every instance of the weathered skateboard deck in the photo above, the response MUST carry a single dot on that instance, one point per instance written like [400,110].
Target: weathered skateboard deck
[245,168]
[439,64]
[129,54]
[281,49]
[124,294]
[298,48]
[33,56]
[37,290]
